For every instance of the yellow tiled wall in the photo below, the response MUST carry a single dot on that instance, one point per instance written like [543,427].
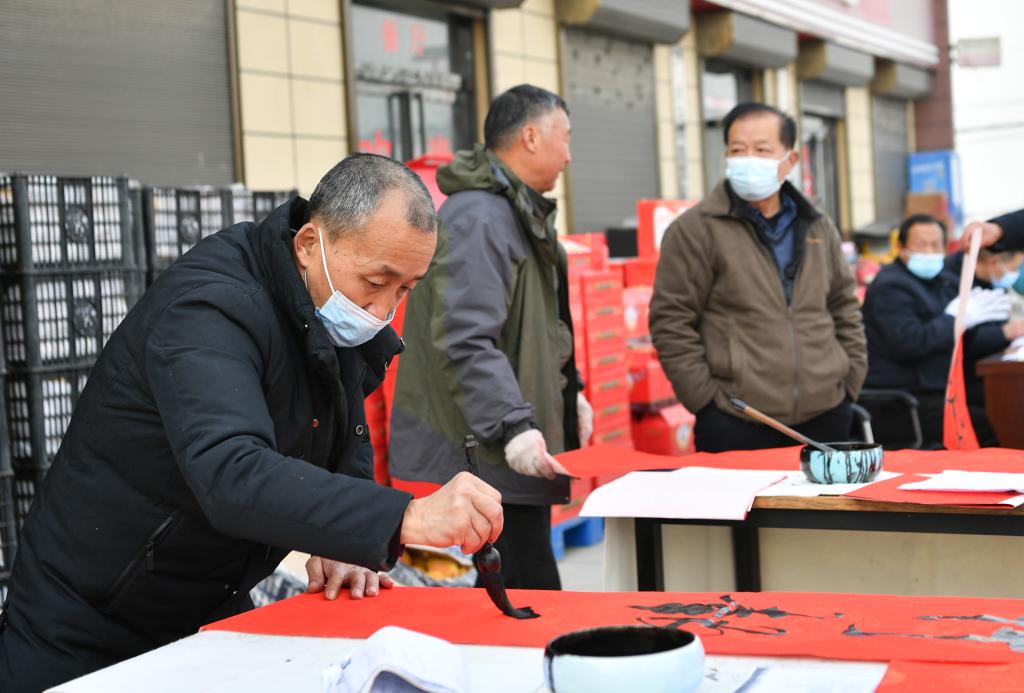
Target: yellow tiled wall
[524,50]
[859,155]
[291,91]
[664,104]
[694,124]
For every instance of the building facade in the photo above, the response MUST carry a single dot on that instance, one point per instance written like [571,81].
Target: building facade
[273,92]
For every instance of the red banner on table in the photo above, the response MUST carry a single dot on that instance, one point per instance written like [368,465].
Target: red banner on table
[889,491]
[929,677]
[830,626]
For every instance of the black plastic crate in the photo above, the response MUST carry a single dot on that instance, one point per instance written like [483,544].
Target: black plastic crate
[8,530]
[63,318]
[58,222]
[39,406]
[175,219]
[24,484]
[256,205]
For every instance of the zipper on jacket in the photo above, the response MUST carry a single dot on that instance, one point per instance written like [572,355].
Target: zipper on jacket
[148,552]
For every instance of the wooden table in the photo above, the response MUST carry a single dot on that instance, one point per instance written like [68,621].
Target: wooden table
[821,513]
[1004,399]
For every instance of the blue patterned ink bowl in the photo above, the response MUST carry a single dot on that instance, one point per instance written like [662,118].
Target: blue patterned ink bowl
[651,659]
[851,463]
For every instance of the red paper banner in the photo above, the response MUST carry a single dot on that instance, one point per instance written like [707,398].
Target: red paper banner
[957,429]
[830,626]
[929,677]
[889,491]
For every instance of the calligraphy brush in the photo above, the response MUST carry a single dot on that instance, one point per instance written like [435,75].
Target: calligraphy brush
[487,560]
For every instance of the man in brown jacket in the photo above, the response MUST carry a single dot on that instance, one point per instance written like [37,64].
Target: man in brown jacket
[753,299]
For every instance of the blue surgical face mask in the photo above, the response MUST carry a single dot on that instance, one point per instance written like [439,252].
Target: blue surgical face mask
[926,265]
[1018,285]
[347,324]
[753,177]
[1008,280]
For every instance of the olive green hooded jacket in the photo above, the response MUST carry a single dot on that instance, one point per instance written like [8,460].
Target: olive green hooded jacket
[488,336]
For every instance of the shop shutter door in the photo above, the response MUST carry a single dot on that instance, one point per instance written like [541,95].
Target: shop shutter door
[109,87]
[610,91]
[890,144]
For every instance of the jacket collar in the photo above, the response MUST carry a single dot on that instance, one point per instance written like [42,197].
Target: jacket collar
[724,202]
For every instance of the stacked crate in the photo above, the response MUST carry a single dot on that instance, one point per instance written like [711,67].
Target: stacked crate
[8,535]
[172,220]
[69,276]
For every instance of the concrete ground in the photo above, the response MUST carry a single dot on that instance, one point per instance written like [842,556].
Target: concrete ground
[582,568]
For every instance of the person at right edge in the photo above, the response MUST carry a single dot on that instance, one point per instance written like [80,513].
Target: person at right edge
[490,335]
[753,299]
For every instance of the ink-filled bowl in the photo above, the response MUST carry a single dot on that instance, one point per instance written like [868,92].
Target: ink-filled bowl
[848,463]
[651,659]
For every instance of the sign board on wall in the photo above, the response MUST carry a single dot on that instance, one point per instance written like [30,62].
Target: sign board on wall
[979,52]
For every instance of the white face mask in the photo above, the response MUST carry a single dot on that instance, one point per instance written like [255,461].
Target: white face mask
[347,324]
[753,177]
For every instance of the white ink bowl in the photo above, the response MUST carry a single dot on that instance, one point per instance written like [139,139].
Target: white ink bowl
[651,659]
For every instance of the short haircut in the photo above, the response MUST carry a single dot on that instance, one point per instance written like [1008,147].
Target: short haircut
[787,126]
[352,192]
[905,225]
[510,111]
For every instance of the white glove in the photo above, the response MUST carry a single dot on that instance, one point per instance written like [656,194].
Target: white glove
[983,305]
[584,418]
[527,453]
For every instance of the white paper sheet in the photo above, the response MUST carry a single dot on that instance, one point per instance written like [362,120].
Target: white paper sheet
[698,493]
[398,660]
[796,484]
[955,480]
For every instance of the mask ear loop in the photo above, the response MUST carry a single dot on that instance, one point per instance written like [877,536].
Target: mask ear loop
[323,256]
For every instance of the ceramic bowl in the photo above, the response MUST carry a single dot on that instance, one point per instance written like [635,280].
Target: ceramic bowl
[851,463]
[625,658]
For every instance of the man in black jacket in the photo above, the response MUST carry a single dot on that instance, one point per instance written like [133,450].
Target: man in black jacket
[908,318]
[223,425]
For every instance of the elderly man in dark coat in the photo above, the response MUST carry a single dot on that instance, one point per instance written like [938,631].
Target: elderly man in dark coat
[223,425]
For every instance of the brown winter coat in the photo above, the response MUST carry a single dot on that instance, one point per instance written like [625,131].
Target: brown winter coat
[723,326]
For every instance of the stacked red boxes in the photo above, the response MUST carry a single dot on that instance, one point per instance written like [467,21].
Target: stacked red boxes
[668,431]
[653,219]
[606,372]
[579,489]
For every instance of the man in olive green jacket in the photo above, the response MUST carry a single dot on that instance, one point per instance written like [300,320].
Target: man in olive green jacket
[753,299]
[488,331]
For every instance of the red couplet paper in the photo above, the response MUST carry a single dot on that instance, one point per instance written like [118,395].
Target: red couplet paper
[929,677]
[889,491]
[957,429]
[830,626]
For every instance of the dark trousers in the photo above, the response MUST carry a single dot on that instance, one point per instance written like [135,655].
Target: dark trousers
[527,561]
[716,431]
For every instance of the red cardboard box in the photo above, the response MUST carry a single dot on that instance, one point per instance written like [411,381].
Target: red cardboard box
[666,432]
[648,383]
[604,391]
[636,301]
[619,436]
[604,367]
[639,271]
[600,288]
[653,218]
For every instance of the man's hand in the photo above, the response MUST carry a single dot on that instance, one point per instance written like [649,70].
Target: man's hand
[585,419]
[527,454]
[465,512]
[990,233]
[1013,330]
[329,577]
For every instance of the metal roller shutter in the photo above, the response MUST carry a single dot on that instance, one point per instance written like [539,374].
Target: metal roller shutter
[107,87]
[610,91]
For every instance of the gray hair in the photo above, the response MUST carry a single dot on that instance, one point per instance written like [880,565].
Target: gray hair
[510,111]
[352,192]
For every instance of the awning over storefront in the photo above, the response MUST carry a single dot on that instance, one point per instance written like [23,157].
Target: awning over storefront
[654,21]
[741,39]
[829,62]
[900,80]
